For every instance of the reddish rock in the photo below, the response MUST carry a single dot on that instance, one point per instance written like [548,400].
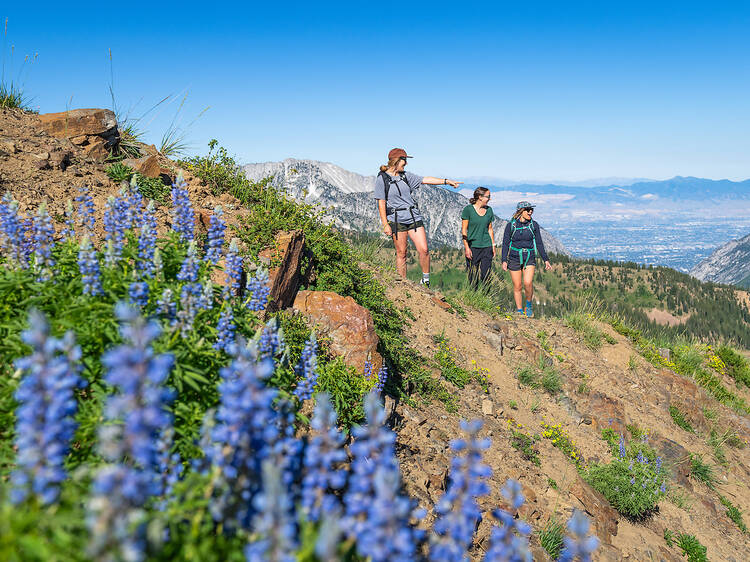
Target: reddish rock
[596,505]
[79,122]
[60,159]
[287,278]
[96,148]
[348,325]
[605,411]
[149,167]
[441,303]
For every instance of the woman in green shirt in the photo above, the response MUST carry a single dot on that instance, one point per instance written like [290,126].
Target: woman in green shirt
[478,236]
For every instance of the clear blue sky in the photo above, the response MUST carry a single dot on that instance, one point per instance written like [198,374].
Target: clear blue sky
[520,90]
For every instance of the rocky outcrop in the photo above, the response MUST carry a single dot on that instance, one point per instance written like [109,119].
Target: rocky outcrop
[286,275]
[729,264]
[348,198]
[348,325]
[93,130]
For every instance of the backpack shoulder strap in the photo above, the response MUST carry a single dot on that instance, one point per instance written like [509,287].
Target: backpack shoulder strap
[386,183]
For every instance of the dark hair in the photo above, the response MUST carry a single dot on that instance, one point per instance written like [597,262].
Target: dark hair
[478,192]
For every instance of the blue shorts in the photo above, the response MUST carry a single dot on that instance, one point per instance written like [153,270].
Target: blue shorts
[514,259]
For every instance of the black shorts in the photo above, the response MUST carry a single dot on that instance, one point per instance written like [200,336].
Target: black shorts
[514,260]
[404,227]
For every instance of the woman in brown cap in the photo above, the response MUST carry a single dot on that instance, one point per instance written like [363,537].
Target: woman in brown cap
[398,211]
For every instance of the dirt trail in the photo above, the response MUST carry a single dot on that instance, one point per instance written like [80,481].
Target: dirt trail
[600,389]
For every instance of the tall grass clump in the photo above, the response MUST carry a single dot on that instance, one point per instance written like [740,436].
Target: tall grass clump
[12,95]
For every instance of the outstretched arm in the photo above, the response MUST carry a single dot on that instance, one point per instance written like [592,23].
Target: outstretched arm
[429,180]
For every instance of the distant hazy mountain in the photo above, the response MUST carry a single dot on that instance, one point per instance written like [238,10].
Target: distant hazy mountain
[729,264]
[596,182]
[349,197]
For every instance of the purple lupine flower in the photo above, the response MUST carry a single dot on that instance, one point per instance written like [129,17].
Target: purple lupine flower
[286,451]
[12,232]
[323,457]
[44,416]
[509,540]
[641,459]
[27,242]
[114,230]
[138,293]
[658,462]
[258,290]
[373,445]
[305,370]
[133,205]
[158,264]
[225,329]
[88,265]
[166,306]
[233,270]
[69,232]
[130,442]
[85,211]
[274,521]
[578,545]
[242,437]
[147,242]
[458,511]
[189,269]
[190,304]
[382,377]
[329,536]
[169,467]
[206,299]
[183,216]
[663,488]
[622,450]
[269,340]
[43,234]
[215,241]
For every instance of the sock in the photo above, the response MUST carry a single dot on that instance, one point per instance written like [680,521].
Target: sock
[425,277]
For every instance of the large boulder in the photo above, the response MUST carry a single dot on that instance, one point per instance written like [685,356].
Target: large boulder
[348,325]
[94,131]
[596,505]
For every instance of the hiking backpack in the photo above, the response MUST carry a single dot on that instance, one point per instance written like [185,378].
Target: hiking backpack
[513,228]
[387,181]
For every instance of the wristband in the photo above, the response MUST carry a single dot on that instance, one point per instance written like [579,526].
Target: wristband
[464,237]
[445,181]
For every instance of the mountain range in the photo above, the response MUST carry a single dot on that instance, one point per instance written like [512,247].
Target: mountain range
[348,198]
[729,264]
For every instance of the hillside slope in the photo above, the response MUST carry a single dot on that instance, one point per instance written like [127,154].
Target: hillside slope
[612,387]
[728,264]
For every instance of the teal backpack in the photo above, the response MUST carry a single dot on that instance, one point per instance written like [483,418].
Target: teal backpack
[513,228]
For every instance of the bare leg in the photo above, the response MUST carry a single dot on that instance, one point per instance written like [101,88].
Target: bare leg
[516,277]
[419,238]
[399,240]
[528,278]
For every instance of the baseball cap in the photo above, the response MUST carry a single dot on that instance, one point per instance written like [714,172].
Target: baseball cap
[524,205]
[398,153]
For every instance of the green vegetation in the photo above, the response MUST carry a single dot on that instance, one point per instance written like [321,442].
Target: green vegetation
[544,376]
[119,172]
[552,483]
[679,419]
[513,405]
[691,548]
[634,482]
[12,96]
[702,471]
[737,366]
[669,537]
[446,362]
[734,514]
[562,440]
[680,499]
[591,335]
[332,265]
[525,445]
[551,537]
[150,188]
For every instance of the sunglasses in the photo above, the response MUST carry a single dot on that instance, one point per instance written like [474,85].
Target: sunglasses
[529,210]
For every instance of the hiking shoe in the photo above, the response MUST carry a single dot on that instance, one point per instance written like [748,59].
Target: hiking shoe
[520,312]
[529,311]
[425,282]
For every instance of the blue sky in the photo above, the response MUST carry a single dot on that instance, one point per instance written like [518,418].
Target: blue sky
[535,90]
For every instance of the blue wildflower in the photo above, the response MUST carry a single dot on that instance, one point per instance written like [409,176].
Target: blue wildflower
[138,293]
[43,234]
[458,511]
[225,329]
[46,406]
[166,306]
[258,290]
[233,270]
[190,304]
[509,540]
[85,211]
[147,242]
[215,241]
[306,370]
[324,453]
[189,270]
[114,230]
[623,451]
[88,265]
[270,340]
[578,545]
[12,232]
[183,216]
[69,232]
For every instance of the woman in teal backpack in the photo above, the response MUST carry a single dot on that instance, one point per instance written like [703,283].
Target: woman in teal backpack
[478,236]
[522,242]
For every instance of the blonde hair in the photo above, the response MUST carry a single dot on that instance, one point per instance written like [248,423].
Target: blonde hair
[516,215]
[391,164]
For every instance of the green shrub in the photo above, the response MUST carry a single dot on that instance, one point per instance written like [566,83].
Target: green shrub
[11,96]
[691,548]
[551,381]
[591,335]
[119,172]
[702,471]
[551,537]
[528,376]
[734,514]
[669,537]
[152,188]
[737,366]
[525,445]
[446,362]
[679,419]
[633,483]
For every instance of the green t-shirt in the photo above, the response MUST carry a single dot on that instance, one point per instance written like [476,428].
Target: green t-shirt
[478,231]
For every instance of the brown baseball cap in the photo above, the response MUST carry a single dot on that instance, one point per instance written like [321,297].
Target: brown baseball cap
[398,153]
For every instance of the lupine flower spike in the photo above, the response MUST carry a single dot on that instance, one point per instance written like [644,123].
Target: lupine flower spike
[88,265]
[233,270]
[258,290]
[43,244]
[510,539]
[44,416]
[305,370]
[578,545]
[183,216]
[215,241]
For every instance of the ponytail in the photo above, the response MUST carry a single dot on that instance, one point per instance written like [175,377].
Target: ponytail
[391,164]
[478,192]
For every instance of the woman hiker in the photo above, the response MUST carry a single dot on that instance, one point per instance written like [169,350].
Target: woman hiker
[522,242]
[399,213]
[478,236]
